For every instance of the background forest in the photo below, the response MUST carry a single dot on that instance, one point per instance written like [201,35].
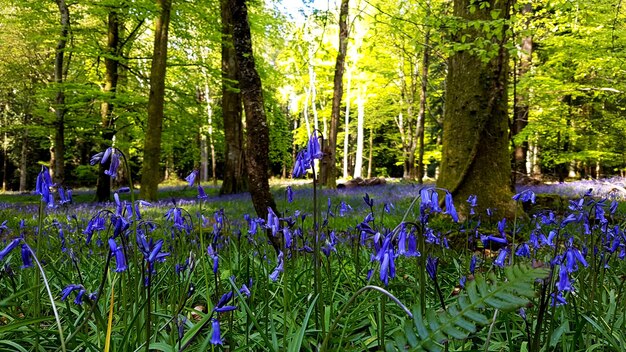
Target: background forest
[566,85]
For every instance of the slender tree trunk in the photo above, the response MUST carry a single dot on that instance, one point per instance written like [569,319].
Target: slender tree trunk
[111,63]
[313,91]
[24,161]
[235,174]
[209,113]
[358,163]
[521,108]
[421,117]
[257,146]
[370,161]
[58,142]
[346,137]
[475,141]
[151,170]
[328,174]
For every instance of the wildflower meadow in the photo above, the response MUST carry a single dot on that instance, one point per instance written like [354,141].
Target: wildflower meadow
[389,267]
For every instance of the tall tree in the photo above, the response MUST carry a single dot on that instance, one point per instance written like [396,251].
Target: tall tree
[111,64]
[257,132]
[475,140]
[235,178]
[328,174]
[421,116]
[521,106]
[151,170]
[60,69]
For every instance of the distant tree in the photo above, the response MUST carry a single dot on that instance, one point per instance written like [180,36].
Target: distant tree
[111,63]
[57,152]
[328,172]
[475,139]
[151,170]
[235,177]
[257,140]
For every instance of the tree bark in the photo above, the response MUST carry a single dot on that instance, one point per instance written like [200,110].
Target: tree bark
[475,141]
[111,63]
[151,170]
[257,136]
[24,157]
[521,108]
[235,175]
[58,142]
[328,174]
[421,116]
[358,163]
[346,137]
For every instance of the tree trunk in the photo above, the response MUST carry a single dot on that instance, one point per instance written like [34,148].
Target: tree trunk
[24,157]
[358,163]
[151,170]
[328,174]
[370,160]
[209,113]
[235,175]
[258,140]
[346,137]
[521,108]
[421,117]
[58,142]
[475,141]
[111,63]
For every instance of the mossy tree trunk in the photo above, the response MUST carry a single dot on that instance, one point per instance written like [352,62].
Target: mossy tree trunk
[257,131]
[475,141]
[151,170]
[235,176]
[60,72]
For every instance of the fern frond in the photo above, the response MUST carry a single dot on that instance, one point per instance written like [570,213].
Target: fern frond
[464,315]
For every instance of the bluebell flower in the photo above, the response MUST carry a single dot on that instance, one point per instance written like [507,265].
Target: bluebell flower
[289,194]
[558,299]
[279,268]
[501,258]
[9,248]
[387,207]
[432,263]
[522,313]
[201,193]
[369,201]
[222,306]
[27,257]
[216,339]
[549,241]
[300,165]
[120,260]
[43,185]
[273,222]
[64,197]
[313,147]
[502,227]
[573,257]
[525,196]
[343,208]
[450,210]
[489,212]
[113,165]
[79,297]
[191,178]
[523,250]
[69,289]
[472,267]
[462,281]
[613,207]
[472,200]
[563,284]
[412,246]
[213,254]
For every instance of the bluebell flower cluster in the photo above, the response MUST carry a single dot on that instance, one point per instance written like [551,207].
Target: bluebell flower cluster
[306,157]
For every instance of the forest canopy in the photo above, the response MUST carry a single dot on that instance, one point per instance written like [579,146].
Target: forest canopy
[565,63]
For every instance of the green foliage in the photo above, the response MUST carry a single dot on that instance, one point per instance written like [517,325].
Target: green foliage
[465,314]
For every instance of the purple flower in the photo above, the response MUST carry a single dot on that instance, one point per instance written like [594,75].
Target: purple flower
[27,257]
[114,165]
[564,283]
[472,267]
[191,178]
[213,254]
[525,196]
[9,248]
[201,193]
[279,268]
[120,260]
[343,208]
[216,339]
[450,207]
[369,201]
[523,250]
[501,258]
[431,267]
[558,299]
[472,200]
[69,289]
[313,147]
[273,221]
[289,194]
